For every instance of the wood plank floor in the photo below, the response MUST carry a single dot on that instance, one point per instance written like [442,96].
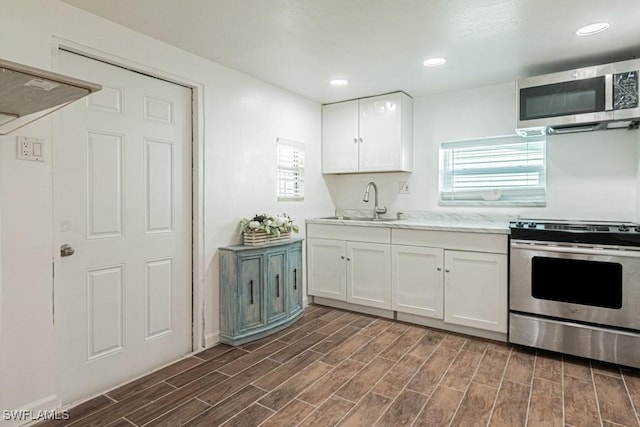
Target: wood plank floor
[336,367]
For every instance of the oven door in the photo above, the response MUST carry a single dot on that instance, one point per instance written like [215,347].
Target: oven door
[595,285]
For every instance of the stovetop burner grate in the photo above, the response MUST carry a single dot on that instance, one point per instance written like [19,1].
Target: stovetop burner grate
[607,233]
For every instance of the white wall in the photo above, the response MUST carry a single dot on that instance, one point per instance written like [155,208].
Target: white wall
[243,117]
[589,175]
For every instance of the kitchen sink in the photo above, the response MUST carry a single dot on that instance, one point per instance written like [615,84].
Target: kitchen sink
[358,218]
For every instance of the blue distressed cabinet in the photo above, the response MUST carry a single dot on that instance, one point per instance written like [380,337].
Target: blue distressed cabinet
[260,290]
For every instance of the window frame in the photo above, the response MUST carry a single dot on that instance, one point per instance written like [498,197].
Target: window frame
[531,165]
[298,150]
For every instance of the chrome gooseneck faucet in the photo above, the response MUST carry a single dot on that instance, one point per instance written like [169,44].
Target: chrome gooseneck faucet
[376,210]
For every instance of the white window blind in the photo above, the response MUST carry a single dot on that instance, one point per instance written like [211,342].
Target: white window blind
[290,158]
[505,170]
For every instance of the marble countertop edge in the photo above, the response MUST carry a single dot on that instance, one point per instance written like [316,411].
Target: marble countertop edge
[497,227]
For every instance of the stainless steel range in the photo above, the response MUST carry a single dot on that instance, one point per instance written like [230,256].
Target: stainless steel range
[575,288]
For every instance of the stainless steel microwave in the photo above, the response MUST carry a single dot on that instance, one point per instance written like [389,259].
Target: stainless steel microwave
[582,97]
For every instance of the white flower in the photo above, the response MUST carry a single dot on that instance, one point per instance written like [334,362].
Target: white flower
[254,224]
[280,221]
[268,222]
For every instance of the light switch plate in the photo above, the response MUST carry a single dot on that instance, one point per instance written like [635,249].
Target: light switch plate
[30,149]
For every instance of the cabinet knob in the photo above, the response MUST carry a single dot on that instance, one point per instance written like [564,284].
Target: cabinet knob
[446,270]
[341,256]
[360,139]
[355,140]
[439,268]
[348,259]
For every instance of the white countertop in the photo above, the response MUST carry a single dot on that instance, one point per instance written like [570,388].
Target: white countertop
[474,223]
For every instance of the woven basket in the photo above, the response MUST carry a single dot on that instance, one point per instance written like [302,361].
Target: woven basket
[257,238]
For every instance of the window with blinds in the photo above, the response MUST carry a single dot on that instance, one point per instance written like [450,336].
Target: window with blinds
[290,159]
[505,170]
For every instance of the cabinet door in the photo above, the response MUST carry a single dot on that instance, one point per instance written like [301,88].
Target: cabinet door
[340,137]
[417,281]
[369,274]
[294,282]
[381,133]
[326,268]
[476,290]
[250,284]
[275,294]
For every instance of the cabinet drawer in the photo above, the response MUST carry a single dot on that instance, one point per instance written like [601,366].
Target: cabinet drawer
[477,242]
[350,232]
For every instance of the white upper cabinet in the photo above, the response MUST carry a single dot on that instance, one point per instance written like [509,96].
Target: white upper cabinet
[340,137]
[368,135]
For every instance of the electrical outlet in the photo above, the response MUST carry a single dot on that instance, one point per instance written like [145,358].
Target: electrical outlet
[30,149]
[404,187]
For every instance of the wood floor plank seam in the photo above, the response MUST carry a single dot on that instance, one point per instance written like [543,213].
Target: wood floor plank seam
[595,391]
[633,406]
[475,371]
[564,412]
[499,387]
[176,408]
[526,416]
[436,386]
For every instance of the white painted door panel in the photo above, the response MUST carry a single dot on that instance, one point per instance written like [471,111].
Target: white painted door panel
[476,290]
[340,137]
[417,281]
[326,268]
[381,133]
[369,274]
[123,299]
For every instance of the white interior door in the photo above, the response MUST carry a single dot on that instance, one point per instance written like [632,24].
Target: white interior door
[123,299]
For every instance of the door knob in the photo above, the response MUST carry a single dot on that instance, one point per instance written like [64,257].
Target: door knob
[66,250]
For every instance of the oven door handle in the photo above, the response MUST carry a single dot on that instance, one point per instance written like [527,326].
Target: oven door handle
[567,249]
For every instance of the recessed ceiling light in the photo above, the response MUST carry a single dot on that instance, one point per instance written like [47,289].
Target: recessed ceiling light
[434,62]
[339,82]
[594,28]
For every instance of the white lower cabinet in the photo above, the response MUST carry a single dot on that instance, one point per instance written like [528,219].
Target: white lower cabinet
[466,287]
[352,264]
[417,281]
[455,278]
[326,266]
[475,290]
[369,274]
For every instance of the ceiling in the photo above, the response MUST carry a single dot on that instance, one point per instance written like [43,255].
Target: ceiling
[379,45]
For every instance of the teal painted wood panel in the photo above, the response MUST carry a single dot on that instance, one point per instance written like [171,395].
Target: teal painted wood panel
[295,279]
[275,298]
[250,292]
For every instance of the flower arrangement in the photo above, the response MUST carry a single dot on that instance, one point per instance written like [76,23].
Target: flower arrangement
[269,224]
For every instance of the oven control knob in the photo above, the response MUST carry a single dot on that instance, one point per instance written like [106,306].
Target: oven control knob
[532,225]
[623,227]
[519,224]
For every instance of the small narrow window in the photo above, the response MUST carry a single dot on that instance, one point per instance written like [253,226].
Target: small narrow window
[505,170]
[290,157]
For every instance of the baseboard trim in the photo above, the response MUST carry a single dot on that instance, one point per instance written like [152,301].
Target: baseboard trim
[211,338]
[354,307]
[440,324]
